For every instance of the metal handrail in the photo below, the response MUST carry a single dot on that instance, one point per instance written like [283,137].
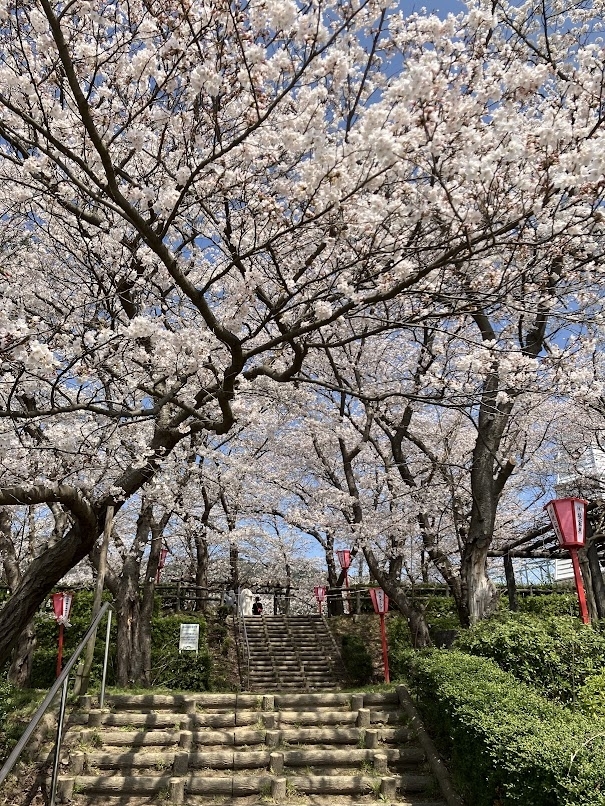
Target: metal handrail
[61,683]
[241,619]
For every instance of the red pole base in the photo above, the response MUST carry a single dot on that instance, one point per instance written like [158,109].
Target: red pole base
[579,586]
[60,651]
[385,651]
[348,594]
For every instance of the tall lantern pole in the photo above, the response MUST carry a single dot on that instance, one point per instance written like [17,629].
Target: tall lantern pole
[380,602]
[344,558]
[568,518]
[62,607]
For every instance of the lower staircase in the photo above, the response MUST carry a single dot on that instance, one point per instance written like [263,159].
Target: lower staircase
[290,652]
[283,748]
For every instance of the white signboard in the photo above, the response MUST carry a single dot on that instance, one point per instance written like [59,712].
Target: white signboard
[190,637]
[563,570]
[555,523]
[579,510]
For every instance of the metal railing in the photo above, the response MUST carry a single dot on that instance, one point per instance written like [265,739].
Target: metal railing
[245,645]
[61,683]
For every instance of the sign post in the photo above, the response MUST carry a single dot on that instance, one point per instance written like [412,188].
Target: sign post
[189,638]
[320,595]
[62,606]
[381,605]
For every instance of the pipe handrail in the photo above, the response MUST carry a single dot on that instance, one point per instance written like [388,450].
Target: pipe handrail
[59,682]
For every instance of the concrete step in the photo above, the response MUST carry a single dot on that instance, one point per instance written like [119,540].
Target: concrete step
[327,748]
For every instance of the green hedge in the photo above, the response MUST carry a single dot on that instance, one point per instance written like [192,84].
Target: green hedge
[356,659]
[507,744]
[554,654]
[188,671]
[550,604]
[47,632]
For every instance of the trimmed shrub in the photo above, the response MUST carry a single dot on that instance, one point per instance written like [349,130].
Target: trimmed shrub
[507,744]
[441,613]
[356,659]
[550,604]
[554,654]
[47,631]
[400,647]
[591,696]
[186,671]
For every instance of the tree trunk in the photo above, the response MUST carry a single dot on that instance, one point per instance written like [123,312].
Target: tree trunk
[511,585]
[146,609]
[593,610]
[19,672]
[201,570]
[21,665]
[288,588]
[129,668]
[598,586]
[419,629]
[424,567]
[233,566]
[330,564]
[125,589]
[481,595]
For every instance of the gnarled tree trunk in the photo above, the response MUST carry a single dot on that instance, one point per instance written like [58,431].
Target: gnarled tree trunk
[20,669]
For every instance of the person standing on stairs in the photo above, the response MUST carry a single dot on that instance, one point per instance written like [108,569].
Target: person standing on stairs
[257,607]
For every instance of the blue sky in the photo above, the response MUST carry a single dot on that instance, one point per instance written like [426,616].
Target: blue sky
[440,7]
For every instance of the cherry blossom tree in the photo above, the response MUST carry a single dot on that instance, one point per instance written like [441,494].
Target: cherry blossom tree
[202,198]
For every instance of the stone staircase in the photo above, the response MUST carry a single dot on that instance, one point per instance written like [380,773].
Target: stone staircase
[286,748]
[291,652]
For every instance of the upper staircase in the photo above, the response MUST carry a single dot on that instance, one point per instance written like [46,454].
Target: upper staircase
[290,652]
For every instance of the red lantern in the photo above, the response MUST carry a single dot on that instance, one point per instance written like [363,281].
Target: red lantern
[381,606]
[568,518]
[344,558]
[380,601]
[62,607]
[320,595]
[161,563]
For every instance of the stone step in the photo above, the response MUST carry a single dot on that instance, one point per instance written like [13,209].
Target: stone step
[357,784]
[245,785]
[238,736]
[177,701]
[123,738]
[327,748]
[84,799]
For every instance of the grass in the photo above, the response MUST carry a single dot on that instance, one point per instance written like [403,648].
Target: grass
[373,688]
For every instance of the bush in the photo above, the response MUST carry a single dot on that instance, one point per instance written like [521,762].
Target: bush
[168,668]
[441,613]
[551,604]
[400,647]
[187,671]
[16,706]
[591,696]
[356,659]
[45,655]
[554,654]
[508,745]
